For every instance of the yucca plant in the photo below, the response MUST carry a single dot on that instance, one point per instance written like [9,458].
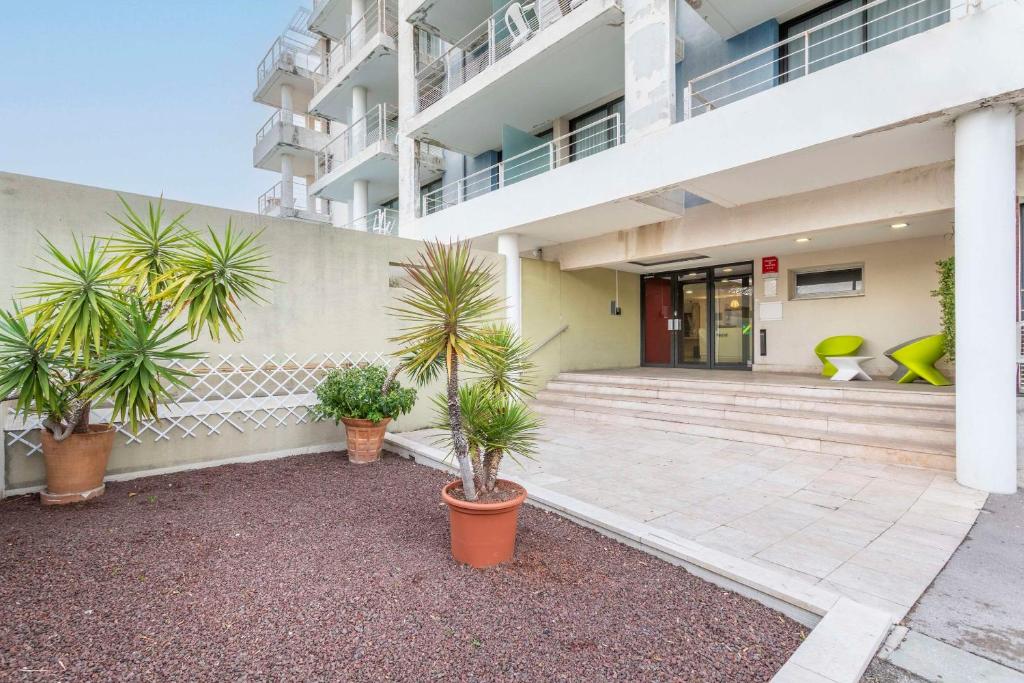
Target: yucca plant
[450,311]
[102,323]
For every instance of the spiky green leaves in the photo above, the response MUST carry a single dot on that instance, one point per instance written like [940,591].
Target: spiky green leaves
[27,370]
[148,249]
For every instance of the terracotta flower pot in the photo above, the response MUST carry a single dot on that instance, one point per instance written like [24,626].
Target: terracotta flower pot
[483,534]
[76,465]
[365,439]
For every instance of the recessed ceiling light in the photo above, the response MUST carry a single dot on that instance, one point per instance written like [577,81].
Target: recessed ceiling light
[689,291]
[726,270]
[899,226]
[801,240]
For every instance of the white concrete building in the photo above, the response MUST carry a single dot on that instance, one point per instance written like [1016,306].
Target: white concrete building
[764,174]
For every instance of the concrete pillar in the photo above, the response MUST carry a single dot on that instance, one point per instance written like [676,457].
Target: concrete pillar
[287,182]
[358,29]
[985,206]
[360,202]
[339,214]
[650,77]
[358,122]
[508,246]
[408,166]
[559,129]
[286,98]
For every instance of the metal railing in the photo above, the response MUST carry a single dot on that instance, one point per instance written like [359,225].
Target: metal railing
[583,142]
[287,53]
[379,125]
[378,222]
[865,28]
[284,200]
[283,116]
[510,27]
[380,17]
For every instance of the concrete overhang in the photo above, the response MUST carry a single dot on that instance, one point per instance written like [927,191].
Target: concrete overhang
[286,138]
[330,17]
[812,133]
[374,66]
[731,17]
[574,62]
[378,164]
[301,79]
[450,19]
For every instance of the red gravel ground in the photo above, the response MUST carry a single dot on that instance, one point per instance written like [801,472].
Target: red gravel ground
[310,568]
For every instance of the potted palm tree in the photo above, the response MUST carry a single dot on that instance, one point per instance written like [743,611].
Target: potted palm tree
[449,310]
[365,399]
[106,324]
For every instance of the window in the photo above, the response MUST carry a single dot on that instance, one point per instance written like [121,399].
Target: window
[596,138]
[431,202]
[826,282]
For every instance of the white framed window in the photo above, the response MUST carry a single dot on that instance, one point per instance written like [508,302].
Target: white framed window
[826,282]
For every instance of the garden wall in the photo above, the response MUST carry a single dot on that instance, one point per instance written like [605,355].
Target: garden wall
[335,288]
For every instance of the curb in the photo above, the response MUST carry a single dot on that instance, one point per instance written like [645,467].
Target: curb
[845,635]
[935,660]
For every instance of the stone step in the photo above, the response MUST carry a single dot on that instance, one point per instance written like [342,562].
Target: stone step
[924,414]
[760,385]
[871,447]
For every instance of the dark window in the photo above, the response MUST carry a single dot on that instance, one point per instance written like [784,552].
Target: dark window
[834,281]
[592,138]
[431,199]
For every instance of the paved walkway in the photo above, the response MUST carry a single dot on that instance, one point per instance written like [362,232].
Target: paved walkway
[874,532]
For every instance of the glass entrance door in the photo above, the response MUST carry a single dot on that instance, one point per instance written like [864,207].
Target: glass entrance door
[700,318]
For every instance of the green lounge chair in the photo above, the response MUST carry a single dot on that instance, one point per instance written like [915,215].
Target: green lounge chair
[843,345]
[916,359]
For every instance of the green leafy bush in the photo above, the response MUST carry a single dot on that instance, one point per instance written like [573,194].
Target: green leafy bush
[946,294]
[358,393]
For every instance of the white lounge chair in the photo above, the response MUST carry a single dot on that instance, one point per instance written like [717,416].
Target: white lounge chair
[517,25]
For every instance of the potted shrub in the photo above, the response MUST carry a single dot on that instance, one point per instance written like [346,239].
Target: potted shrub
[365,400]
[448,308]
[105,324]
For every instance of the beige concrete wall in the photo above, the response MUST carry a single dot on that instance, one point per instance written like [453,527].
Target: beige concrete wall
[896,306]
[580,299]
[333,297]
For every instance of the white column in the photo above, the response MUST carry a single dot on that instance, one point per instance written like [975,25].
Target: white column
[650,37]
[508,246]
[358,29]
[358,121]
[287,184]
[985,206]
[286,98]
[408,166]
[360,202]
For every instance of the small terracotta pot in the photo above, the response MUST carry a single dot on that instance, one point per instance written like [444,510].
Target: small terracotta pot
[483,534]
[365,439]
[76,465]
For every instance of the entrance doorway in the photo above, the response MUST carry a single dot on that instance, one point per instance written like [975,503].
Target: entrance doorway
[699,318]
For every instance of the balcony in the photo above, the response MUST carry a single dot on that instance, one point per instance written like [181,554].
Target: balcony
[329,18]
[292,61]
[871,26]
[520,67]
[584,142]
[291,200]
[451,19]
[368,150]
[367,56]
[378,222]
[286,132]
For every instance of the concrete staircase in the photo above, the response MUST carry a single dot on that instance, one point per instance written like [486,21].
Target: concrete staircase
[904,426]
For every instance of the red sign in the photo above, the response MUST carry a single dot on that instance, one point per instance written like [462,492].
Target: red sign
[769,264]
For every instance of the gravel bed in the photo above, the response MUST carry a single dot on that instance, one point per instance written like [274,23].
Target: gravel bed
[309,568]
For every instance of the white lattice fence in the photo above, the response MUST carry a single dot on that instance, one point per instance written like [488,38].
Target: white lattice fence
[225,392]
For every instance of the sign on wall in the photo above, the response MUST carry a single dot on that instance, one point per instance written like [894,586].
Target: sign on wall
[769,265]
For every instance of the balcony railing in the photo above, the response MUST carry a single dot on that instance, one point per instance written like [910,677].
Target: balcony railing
[283,116]
[506,30]
[379,125]
[283,199]
[865,28]
[380,17]
[379,222]
[583,142]
[287,53]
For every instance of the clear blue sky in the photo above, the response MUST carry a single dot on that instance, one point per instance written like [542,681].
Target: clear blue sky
[141,96]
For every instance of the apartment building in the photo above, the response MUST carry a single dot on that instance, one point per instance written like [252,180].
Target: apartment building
[764,174]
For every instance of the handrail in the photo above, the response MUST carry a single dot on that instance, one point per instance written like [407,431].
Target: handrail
[301,55]
[379,124]
[550,338]
[379,17]
[282,116]
[378,222]
[595,137]
[492,40]
[282,198]
[779,68]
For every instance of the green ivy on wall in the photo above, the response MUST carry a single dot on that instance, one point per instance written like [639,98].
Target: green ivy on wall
[946,294]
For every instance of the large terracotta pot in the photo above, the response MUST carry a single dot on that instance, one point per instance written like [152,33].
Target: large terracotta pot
[483,534]
[76,465]
[365,439]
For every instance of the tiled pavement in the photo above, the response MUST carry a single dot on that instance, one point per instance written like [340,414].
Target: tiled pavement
[875,532]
